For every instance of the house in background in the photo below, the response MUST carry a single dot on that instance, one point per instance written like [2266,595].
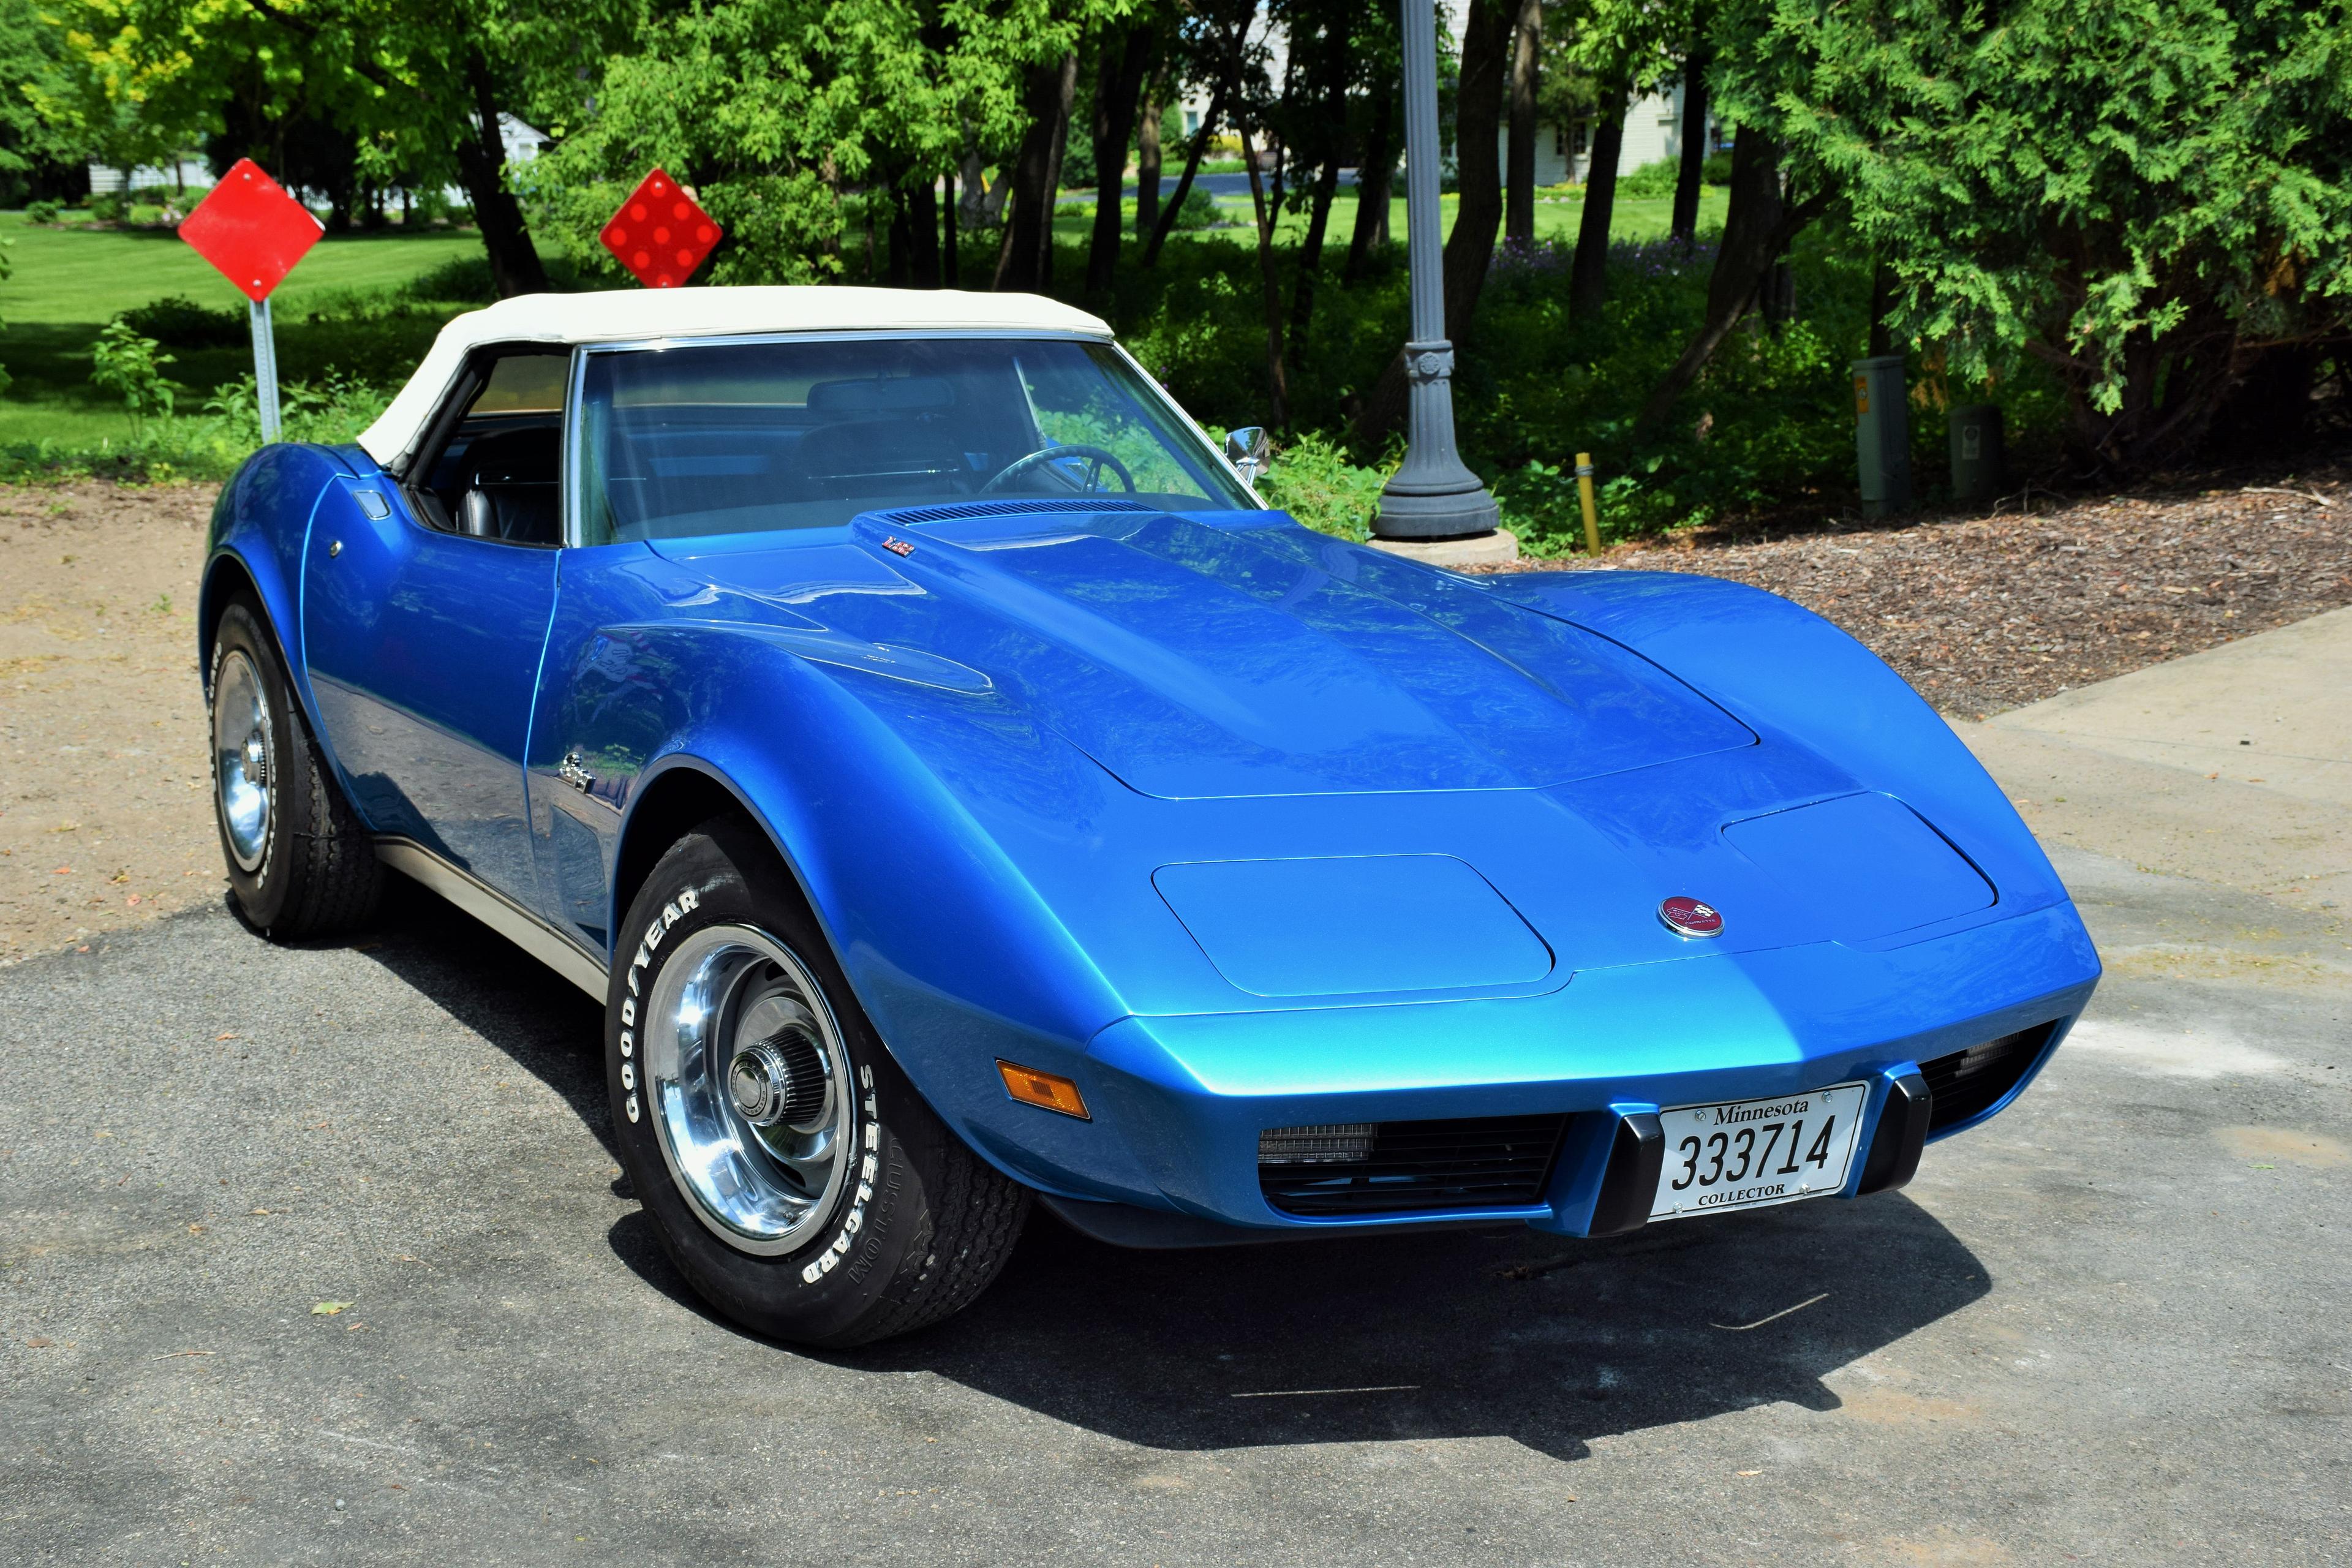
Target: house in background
[522,143]
[1654,121]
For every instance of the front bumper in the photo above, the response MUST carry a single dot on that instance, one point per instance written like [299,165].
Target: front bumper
[1188,1097]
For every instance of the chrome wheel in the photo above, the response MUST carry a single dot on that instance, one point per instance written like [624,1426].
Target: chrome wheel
[244,759]
[745,1083]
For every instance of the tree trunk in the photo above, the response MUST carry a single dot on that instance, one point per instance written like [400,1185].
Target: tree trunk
[1025,262]
[1116,88]
[1882,301]
[1588,279]
[922,219]
[1756,231]
[1526,49]
[1373,176]
[1310,253]
[1184,182]
[1147,166]
[1692,177]
[1278,377]
[902,241]
[951,263]
[481,163]
[1479,211]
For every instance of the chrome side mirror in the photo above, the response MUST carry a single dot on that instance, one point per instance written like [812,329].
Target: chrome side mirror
[1247,449]
[479,519]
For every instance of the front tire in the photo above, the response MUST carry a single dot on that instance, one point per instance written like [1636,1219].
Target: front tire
[300,862]
[791,1171]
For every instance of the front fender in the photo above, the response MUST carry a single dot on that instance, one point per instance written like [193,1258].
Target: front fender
[260,524]
[1789,672]
[950,949]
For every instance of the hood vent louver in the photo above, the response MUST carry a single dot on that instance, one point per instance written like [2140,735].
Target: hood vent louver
[1006,508]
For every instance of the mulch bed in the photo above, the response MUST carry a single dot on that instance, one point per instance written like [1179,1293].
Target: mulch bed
[1986,612]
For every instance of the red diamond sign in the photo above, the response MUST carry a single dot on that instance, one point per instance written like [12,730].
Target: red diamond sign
[251,229]
[660,233]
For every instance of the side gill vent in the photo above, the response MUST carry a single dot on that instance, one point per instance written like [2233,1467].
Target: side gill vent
[1388,1167]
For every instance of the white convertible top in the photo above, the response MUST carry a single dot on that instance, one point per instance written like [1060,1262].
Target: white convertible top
[619,315]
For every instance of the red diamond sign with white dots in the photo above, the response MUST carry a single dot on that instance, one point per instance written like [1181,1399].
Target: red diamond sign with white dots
[660,233]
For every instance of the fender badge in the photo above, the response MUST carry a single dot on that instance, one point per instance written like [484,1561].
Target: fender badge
[1689,917]
[897,547]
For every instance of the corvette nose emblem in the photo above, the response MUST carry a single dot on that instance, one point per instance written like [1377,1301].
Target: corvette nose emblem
[1689,917]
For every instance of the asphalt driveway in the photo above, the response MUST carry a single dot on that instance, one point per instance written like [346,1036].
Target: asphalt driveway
[2108,1326]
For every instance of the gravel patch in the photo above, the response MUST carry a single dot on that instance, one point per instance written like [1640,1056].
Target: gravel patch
[1987,613]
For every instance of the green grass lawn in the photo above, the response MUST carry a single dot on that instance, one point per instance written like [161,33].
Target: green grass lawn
[1557,216]
[68,283]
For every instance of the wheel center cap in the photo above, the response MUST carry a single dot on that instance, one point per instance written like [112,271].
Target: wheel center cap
[779,1081]
[256,761]
[759,1083]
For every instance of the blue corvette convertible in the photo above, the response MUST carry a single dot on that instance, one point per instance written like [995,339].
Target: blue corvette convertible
[961,792]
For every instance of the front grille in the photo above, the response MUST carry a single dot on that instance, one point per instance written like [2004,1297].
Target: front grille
[1970,1082]
[1384,1167]
[952,511]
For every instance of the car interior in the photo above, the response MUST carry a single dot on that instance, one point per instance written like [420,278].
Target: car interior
[492,472]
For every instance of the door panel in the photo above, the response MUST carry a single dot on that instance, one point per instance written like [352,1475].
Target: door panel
[424,654]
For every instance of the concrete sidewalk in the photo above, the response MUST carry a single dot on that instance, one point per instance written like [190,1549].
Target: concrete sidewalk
[2232,766]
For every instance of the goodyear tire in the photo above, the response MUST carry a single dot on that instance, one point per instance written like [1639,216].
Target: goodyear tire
[300,863]
[794,1174]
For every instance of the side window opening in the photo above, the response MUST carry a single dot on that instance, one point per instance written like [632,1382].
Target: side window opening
[494,468]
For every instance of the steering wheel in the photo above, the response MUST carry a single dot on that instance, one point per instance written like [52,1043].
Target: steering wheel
[1097,459]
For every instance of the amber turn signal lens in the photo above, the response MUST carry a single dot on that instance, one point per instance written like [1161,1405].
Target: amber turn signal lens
[1031,1087]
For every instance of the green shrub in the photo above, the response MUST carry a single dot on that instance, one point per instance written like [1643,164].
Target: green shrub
[127,364]
[1073,209]
[42,212]
[1717,170]
[1651,180]
[1312,478]
[461,280]
[145,215]
[1078,162]
[108,207]
[180,322]
[1200,210]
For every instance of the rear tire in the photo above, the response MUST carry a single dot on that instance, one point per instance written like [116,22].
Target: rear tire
[300,863]
[794,1174]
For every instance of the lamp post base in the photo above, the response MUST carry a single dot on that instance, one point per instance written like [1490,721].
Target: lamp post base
[1495,547]
[1433,494]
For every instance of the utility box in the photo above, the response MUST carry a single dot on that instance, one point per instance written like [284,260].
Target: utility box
[1882,435]
[1976,453]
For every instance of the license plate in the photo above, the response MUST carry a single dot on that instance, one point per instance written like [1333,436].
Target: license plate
[1750,1152]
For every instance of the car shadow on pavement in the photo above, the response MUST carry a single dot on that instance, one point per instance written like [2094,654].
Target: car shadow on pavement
[552,1029]
[1549,1341]
[1505,1331]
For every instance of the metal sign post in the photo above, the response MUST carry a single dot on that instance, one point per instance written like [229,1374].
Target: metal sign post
[255,233]
[265,365]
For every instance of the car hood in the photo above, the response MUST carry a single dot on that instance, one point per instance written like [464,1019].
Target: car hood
[1194,659]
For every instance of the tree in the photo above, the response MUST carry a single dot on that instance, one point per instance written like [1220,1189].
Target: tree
[415,85]
[2153,197]
[1691,175]
[1622,46]
[1126,56]
[1520,171]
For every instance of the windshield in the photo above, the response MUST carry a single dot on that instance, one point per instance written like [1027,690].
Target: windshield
[736,437]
